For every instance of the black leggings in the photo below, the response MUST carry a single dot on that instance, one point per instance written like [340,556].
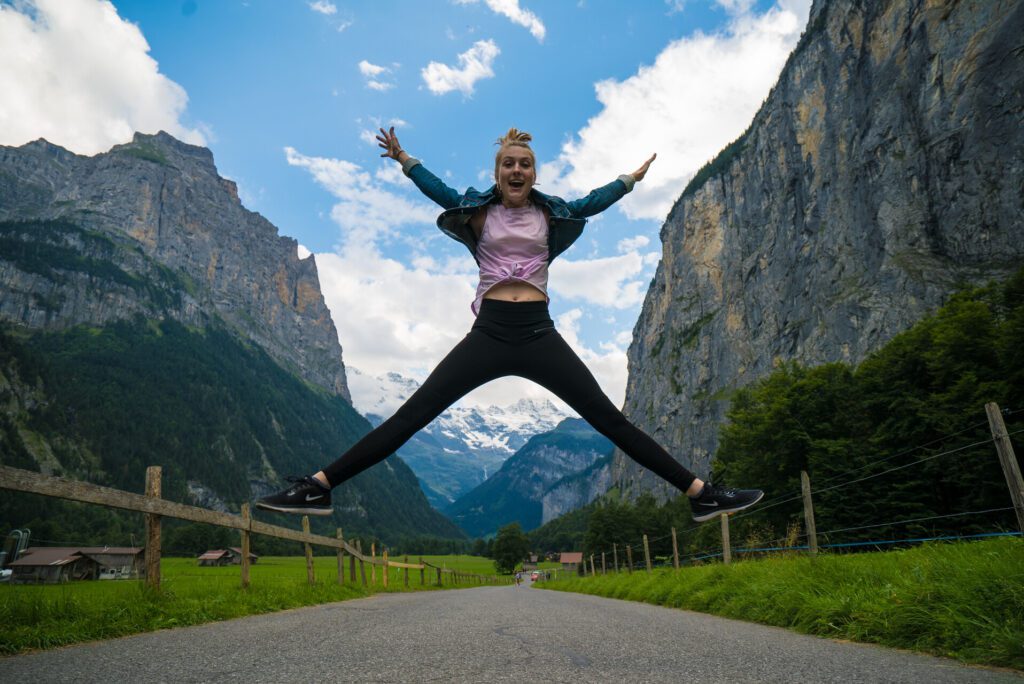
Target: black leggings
[509,338]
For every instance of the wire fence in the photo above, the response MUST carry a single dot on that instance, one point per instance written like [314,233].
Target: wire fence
[806,539]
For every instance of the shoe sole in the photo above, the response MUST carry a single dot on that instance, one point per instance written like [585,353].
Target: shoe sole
[301,510]
[727,511]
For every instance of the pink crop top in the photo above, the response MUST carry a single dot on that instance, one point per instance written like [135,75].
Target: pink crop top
[513,248]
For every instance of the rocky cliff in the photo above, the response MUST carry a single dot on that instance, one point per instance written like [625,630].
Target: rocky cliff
[175,242]
[884,170]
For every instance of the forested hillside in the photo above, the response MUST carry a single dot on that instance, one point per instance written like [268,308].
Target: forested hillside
[218,415]
[897,447]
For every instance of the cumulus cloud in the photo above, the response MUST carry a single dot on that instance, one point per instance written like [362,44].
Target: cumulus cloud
[366,210]
[371,72]
[608,364]
[474,64]
[632,244]
[613,282]
[323,7]
[699,95]
[74,72]
[518,15]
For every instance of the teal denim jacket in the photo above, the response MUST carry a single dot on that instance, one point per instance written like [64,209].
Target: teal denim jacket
[564,227]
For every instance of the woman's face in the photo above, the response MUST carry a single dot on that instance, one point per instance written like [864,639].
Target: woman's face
[515,175]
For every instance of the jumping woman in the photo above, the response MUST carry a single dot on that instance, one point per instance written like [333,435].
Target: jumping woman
[514,233]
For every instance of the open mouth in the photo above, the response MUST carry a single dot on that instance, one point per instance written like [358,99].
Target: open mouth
[516,184]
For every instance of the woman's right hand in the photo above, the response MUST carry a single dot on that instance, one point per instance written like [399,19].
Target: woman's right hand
[389,142]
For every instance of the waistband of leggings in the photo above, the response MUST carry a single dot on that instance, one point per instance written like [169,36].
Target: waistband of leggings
[499,311]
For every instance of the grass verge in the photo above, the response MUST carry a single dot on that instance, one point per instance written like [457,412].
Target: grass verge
[962,600]
[47,616]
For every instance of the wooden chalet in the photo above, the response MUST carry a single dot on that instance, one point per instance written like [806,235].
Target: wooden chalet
[53,564]
[228,556]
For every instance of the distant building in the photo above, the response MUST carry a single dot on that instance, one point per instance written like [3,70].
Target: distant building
[530,564]
[229,556]
[53,564]
[571,561]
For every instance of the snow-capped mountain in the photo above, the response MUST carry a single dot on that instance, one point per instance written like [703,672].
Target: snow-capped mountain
[464,445]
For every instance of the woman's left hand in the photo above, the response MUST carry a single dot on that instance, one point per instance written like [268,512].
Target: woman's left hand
[639,174]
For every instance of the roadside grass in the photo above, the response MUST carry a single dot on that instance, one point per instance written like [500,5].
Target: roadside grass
[961,600]
[47,616]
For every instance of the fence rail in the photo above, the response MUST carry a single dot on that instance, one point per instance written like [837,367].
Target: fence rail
[154,507]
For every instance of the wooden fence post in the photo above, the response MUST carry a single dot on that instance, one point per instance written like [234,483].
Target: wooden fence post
[629,558]
[604,570]
[423,570]
[373,563]
[647,554]
[352,568]
[1008,460]
[152,553]
[341,558]
[439,582]
[592,572]
[362,563]
[726,548]
[812,531]
[615,556]
[406,571]
[246,515]
[309,552]
[675,550]
[384,556]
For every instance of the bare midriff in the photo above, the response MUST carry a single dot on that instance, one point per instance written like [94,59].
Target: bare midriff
[515,292]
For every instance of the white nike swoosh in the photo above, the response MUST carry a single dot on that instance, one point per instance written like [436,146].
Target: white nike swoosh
[314,498]
[715,503]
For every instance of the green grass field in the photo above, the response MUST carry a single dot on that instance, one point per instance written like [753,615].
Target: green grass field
[962,600]
[46,616]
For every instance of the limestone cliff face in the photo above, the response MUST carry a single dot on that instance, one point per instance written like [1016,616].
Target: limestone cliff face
[885,169]
[175,240]
[576,491]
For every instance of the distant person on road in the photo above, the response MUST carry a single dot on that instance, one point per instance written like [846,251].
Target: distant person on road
[513,232]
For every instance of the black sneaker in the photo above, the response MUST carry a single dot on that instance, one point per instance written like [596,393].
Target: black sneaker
[714,501]
[306,496]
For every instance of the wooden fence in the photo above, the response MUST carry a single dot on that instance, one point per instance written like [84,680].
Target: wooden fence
[156,508]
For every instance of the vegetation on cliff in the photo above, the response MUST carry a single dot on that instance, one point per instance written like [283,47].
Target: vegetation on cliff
[915,408]
[216,413]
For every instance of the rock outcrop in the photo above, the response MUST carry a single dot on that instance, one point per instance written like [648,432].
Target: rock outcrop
[151,228]
[884,171]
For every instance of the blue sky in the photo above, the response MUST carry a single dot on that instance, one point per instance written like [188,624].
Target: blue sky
[287,93]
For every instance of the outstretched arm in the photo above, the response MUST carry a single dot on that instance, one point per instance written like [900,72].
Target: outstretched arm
[600,199]
[429,184]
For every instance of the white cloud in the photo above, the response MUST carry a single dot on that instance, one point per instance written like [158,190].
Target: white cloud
[474,64]
[323,7]
[366,211]
[632,244]
[518,15]
[608,365]
[77,74]
[614,282]
[699,95]
[371,72]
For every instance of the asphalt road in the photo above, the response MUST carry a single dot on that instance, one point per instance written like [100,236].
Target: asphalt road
[484,635]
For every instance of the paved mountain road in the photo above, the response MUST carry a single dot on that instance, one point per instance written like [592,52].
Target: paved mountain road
[484,634]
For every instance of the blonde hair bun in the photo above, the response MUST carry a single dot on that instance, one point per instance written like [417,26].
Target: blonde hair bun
[515,137]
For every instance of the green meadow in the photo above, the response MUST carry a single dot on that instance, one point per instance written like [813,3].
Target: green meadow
[961,600]
[47,616]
